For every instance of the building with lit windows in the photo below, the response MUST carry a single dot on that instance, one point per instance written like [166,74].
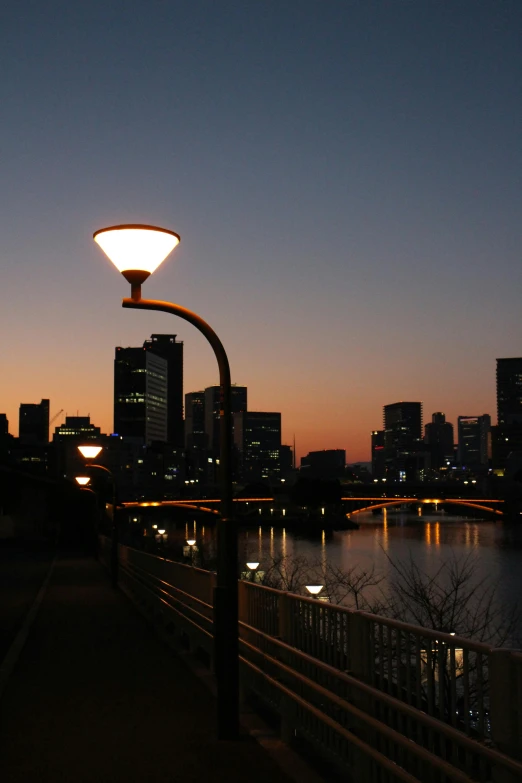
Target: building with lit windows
[474,436]
[405,454]
[140,394]
[166,346]
[195,436]
[507,438]
[257,438]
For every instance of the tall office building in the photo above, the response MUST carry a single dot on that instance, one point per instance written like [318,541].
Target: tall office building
[438,436]
[404,450]
[195,437]
[165,345]
[257,437]
[509,391]
[474,440]
[378,461]
[34,422]
[140,394]
[238,404]
[507,438]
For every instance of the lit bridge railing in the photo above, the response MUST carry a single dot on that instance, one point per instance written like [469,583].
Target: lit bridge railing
[383,701]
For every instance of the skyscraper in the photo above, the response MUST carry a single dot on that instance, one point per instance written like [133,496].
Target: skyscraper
[378,461]
[165,345]
[474,440]
[34,422]
[404,451]
[438,436]
[238,403]
[140,394]
[257,437]
[508,434]
[195,437]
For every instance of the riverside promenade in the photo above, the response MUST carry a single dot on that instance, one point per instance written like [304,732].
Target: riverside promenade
[94,695]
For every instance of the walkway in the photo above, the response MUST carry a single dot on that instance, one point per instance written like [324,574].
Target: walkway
[96,697]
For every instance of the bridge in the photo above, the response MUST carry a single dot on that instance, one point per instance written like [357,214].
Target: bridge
[211,505]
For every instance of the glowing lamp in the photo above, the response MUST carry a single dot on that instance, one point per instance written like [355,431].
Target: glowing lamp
[252,566]
[89,452]
[191,541]
[136,250]
[82,480]
[161,532]
[314,589]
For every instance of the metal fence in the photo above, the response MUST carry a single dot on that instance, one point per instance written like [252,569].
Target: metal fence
[382,700]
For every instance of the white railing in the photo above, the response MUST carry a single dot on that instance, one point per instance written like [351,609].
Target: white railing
[381,699]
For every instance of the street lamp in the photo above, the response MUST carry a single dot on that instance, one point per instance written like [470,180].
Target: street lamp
[252,568]
[137,250]
[91,452]
[314,590]
[83,480]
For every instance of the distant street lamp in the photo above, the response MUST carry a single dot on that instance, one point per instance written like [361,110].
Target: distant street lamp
[314,590]
[252,568]
[137,251]
[91,452]
[83,480]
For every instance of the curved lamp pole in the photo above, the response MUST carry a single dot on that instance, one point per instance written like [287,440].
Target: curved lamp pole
[137,250]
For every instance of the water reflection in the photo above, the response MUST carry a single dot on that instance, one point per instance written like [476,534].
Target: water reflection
[430,540]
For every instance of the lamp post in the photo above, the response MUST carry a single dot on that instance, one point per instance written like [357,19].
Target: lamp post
[191,543]
[137,250]
[314,590]
[252,567]
[91,452]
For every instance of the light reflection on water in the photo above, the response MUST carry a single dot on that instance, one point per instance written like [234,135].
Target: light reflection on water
[429,540]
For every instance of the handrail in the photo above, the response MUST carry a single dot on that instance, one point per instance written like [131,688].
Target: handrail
[382,690]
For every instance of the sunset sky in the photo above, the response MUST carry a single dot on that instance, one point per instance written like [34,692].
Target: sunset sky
[345,176]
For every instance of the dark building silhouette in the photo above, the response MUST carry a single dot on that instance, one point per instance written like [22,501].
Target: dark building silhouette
[507,437]
[67,437]
[287,462]
[257,437]
[438,436]
[326,464]
[378,461]
[238,404]
[474,440]
[140,394]
[404,451]
[33,424]
[4,424]
[165,345]
[195,436]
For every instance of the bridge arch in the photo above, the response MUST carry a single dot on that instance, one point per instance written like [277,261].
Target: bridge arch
[443,501]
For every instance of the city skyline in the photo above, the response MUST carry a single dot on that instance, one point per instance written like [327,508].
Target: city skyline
[345,181]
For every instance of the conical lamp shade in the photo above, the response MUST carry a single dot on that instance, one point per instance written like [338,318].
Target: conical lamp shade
[136,247]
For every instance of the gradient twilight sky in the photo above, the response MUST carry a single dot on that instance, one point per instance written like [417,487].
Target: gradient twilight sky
[345,176]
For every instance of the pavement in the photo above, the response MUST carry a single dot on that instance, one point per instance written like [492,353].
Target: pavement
[94,695]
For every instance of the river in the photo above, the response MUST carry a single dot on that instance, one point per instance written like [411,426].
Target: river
[397,535]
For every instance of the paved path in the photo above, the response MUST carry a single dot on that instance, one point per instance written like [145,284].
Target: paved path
[95,696]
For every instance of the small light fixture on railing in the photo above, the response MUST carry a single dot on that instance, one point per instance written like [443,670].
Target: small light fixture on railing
[314,590]
[191,541]
[82,480]
[252,568]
